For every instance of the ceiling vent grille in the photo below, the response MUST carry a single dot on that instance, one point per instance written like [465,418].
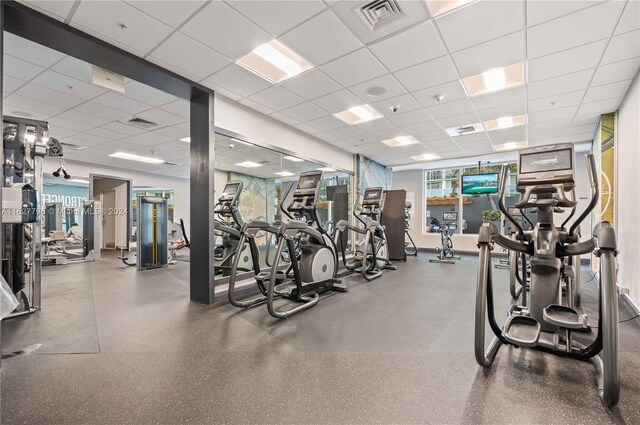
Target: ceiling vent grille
[466,130]
[378,13]
[72,146]
[142,123]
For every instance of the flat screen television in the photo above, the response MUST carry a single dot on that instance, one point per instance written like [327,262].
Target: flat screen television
[479,184]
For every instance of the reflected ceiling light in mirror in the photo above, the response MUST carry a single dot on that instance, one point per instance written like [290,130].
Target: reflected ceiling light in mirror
[439,7]
[425,157]
[274,62]
[326,169]
[495,79]
[284,174]
[78,181]
[139,158]
[505,122]
[508,146]
[248,164]
[186,139]
[400,141]
[292,158]
[358,114]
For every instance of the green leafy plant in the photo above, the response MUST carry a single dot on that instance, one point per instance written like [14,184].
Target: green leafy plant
[491,215]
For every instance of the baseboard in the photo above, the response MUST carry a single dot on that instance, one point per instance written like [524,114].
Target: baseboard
[630,304]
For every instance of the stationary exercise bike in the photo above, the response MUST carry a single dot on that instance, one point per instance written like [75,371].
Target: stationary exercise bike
[371,255]
[547,320]
[446,254]
[315,268]
[227,224]
[410,247]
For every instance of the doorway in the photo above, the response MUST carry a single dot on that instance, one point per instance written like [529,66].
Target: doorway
[114,194]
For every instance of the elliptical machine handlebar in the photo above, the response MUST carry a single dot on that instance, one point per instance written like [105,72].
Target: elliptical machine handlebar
[595,193]
[503,208]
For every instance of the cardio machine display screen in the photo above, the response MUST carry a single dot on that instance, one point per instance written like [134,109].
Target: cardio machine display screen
[372,195]
[474,184]
[538,162]
[450,216]
[231,189]
[309,182]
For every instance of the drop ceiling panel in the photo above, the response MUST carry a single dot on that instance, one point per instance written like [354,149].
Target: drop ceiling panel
[480,22]
[392,88]
[566,112]
[499,98]
[306,128]
[630,19]
[26,103]
[423,127]
[459,120]
[30,51]
[407,118]
[573,30]
[451,91]
[171,12]
[327,123]
[311,84]
[623,46]
[221,28]
[513,134]
[118,101]
[619,71]
[321,39]
[607,91]
[65,84]
[346,132]
[10,84]
[376,125]
[559,101]
[567,61]
[500,52]
[97,109]
[277,98]
[275,16]
[256,106]
[18,68]
[338,101]
[503,111]
[56,9]
[124,128]
[49,96]
[427,74]
[74,68]
[451,108]
[239,80]
[305,112]
[102,19]
[563,84]
[55,122]
[354,68]
[284,118]
[600,107]
[539,11]
[405,103]
[179,107]
[146,94]
[410,47]
[161,117]
[186,54]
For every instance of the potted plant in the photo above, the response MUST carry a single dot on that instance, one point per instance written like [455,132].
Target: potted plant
[493,216]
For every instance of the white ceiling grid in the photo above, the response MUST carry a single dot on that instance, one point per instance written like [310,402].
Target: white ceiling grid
[581,58]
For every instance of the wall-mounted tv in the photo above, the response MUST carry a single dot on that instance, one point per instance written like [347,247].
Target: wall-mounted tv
[479,184]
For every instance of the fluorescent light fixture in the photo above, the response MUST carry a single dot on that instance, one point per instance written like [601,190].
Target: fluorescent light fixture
[78,181]
[425,157]
[248,164]
[438,7]
[465,129]
[505,122]
[400,141]
[326,169]
[508,146]
[186,139]
[132,157]
[274,61]
[293,158]
[284,174]
[358,114]
[495,79]
[242,142]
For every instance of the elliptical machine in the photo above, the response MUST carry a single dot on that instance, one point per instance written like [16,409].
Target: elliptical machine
[372,250]
[315,268]
[446,254]
[227,224]
[545,175]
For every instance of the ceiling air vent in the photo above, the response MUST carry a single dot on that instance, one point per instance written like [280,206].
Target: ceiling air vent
[378,13]
[142,123]
[72,146]
[466,130]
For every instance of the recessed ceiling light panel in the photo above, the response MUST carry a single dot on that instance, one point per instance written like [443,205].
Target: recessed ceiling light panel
[495,79]
[425,157]
[293,158]
[439,7]
[505,122]
[508,146]
[358,114]
[326,169]
[284,174]
[248,164]
[400,141]
[139,158]
[274,61]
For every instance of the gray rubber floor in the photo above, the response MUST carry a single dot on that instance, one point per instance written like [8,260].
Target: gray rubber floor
[120,346]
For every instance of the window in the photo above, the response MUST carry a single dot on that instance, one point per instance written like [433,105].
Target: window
[442,195]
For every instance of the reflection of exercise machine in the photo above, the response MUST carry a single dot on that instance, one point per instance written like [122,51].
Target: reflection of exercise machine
[25,145]
[545,320]
[407,216]
[60,248]
[227,225]
[446,254]
[314,270]
[152,248]
[371,255]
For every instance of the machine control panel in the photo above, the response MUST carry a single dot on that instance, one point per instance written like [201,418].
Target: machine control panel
[547,165]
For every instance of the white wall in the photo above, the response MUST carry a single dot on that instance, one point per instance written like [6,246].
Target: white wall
[180,186]
[265,131]
[412,181]
[628,192]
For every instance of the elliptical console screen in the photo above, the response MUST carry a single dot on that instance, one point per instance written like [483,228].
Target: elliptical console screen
[537,162]
[231,189]
[450,216]
[309,182]
[373,195]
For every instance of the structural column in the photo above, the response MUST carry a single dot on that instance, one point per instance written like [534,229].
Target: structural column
[202,198]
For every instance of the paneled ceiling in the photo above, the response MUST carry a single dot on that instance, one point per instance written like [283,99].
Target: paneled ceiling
[581,58]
